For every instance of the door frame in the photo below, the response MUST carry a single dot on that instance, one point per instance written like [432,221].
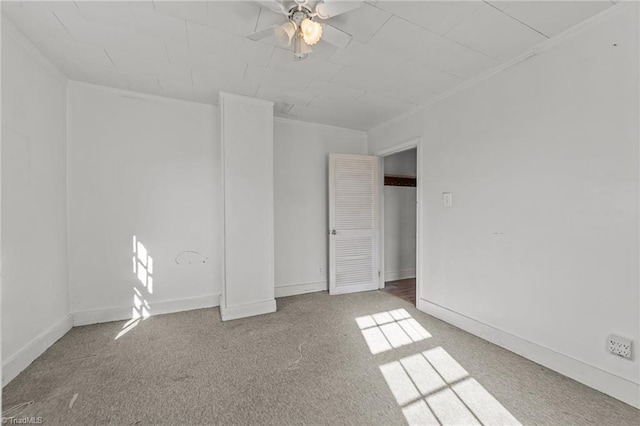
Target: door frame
[404,146]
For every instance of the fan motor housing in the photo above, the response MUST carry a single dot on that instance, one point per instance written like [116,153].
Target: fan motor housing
[297,14]
[297,17]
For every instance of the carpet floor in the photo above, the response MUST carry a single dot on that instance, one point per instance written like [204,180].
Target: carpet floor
[366,358]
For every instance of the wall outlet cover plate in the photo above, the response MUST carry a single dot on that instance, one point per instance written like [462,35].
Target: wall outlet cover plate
[620,346]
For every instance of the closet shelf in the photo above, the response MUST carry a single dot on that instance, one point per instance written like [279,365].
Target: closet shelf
[396,180]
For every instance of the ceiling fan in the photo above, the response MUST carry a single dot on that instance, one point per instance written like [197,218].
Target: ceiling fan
[302,28]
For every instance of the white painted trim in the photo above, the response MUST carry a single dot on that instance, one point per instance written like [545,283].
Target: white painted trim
[223,201]
[139,95]
[403,146]
[1,274]
[353,289]
[420,240]
[157,308]
[608,383]
[399,275]
[249,310]
[540,47]
[31,48]
[258,308]
[324,126]
[67,185]
[272,207]
[25,356]
[246,99]
[380,225]
[301,288]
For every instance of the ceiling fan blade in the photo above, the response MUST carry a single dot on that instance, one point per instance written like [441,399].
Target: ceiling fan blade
[259,35]
[330,8]
[335,36]
[273,5]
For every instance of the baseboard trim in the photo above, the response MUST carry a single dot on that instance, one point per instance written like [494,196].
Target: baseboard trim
[249,310]
[354,288]
[158,308]
[16,363]
[294,289]
[399,275]
[603,381]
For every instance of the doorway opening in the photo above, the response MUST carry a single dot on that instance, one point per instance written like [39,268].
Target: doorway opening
[399,223]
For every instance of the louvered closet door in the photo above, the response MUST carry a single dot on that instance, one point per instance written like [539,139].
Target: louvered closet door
[353,260]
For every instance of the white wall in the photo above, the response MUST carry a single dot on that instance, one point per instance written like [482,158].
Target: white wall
[35,303]
[148,167]
[400,218]
[539,252]
[301,158]
[403,163]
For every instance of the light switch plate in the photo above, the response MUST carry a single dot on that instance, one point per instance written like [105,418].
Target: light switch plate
[447,199]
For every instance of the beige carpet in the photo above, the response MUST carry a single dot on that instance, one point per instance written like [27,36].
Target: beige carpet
[309,363]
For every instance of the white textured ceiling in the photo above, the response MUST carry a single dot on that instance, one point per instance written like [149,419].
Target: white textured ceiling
[402,53]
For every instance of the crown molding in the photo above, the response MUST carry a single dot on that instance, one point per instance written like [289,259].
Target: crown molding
[322,125]
[9,29]
[246,99]
[139,95]
[538,48]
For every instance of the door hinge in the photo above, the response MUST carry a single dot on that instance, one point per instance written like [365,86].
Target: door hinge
[378,274]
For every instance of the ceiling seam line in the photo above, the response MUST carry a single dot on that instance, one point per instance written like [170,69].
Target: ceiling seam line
[433,68]
[110,59]
[308,103]
[273,50]
[391,15]
[462,19]
[517,20]
[244,74]
[186,30]
[446,38]
[166,51]
[60,22]
[255,27]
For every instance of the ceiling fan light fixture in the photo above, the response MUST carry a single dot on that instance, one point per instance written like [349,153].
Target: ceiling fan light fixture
[285,33]
[311,31]
[300,48]
[301,27]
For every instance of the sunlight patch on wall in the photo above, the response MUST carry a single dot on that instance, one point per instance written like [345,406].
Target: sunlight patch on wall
[142,265]
[143,271]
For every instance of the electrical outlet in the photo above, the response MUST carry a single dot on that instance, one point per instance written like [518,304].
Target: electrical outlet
[619,346]
[320,270]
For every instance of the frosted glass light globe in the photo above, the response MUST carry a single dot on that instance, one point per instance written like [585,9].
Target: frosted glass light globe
[311,31]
